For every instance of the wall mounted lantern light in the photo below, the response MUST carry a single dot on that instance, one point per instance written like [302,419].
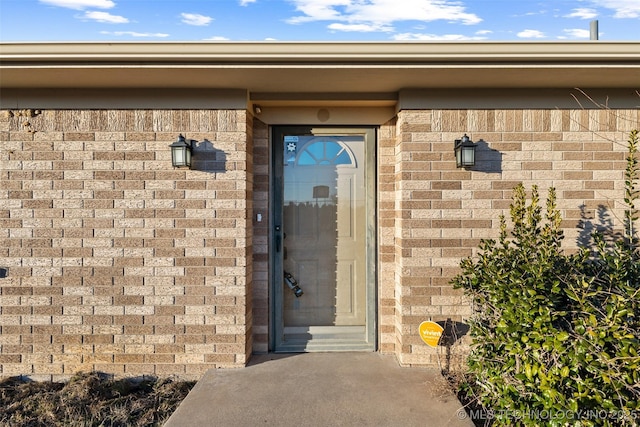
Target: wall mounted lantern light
[181,153]
[465,151]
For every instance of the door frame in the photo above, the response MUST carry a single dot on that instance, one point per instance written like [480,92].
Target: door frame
[276,288]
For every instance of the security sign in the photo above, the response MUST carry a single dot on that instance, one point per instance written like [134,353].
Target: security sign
[430,332]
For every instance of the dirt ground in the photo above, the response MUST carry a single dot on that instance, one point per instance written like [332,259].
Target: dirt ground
[90,399]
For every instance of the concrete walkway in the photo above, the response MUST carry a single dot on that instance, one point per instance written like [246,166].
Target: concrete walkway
[321,389]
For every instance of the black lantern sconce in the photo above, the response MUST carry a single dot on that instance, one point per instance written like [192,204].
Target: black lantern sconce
[181,151]
[465,151]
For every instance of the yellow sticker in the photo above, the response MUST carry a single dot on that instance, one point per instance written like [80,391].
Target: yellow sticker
[430,332]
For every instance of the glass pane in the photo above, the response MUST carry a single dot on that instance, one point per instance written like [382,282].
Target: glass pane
[324,227]
[468,156]
[316,149]
[343,159]
[332,149]
[306,159]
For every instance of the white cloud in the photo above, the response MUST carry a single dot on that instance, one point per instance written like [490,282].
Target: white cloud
[246,2]
[381,12]
[105,17]
[362,28]
[577,33]
[133,34]
[196,19]
[582,13]
[81,4]
[483,32]
[318,10]
[622,8]
[539,12]
[434,37]
[216,38]
[531,34]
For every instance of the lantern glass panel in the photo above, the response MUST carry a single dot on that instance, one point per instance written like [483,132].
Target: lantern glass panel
[178,155]
[187,157]
[468,156]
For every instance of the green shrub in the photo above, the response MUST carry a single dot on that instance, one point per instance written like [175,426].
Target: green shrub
[555,336]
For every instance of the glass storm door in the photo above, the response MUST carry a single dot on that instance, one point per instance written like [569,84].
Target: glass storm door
[323,232]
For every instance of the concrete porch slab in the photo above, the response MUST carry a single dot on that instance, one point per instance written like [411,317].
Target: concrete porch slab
[321,389]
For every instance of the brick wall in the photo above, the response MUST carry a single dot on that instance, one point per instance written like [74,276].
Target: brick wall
[388,304]
[443,212]
[119,263]
[116,261]
[261,185]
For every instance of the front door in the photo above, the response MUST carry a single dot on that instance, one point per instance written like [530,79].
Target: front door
[323,239]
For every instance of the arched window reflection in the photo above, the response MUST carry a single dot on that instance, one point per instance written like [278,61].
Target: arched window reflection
[325,153]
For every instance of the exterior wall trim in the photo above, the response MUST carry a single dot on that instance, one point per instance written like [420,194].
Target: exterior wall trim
[121,98]
[326,115]
[500,98]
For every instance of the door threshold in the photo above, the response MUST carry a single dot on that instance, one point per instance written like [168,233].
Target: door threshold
[324,338]
[314,346]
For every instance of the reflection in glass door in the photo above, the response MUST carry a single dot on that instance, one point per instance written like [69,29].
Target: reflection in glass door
[323,270]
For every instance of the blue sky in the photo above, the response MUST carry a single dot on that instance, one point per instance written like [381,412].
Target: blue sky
[316,20]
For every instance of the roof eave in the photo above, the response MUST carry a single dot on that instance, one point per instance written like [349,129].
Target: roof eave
[319,66]
[318,52]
